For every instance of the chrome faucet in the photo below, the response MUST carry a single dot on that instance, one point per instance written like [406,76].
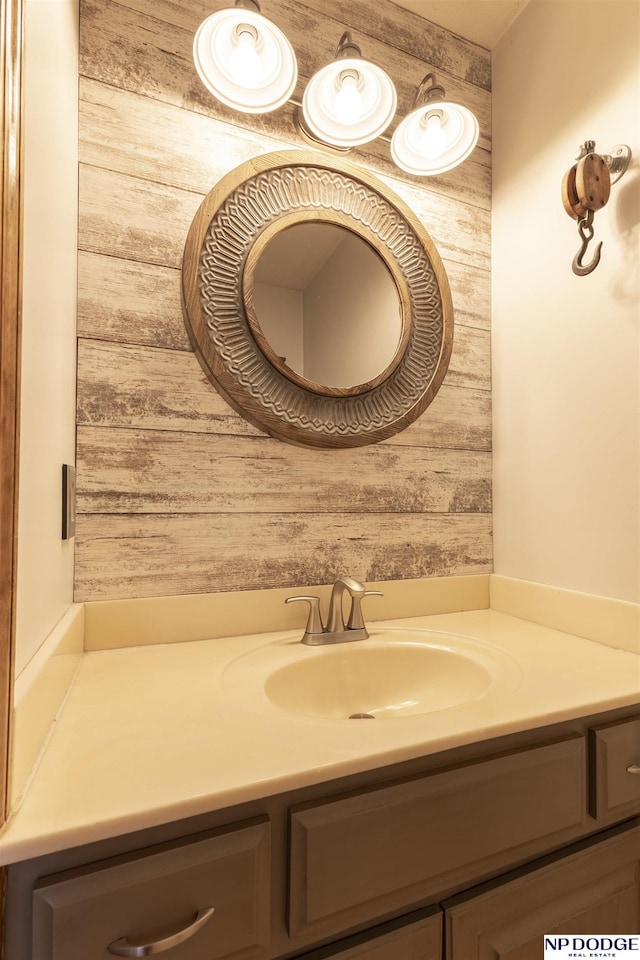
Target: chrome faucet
[336,631]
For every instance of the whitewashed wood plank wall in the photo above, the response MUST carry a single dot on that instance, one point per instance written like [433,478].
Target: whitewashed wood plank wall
[177,494]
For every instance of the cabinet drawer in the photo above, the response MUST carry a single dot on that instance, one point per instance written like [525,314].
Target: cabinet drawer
[157,895]
[362,856]
[417,936]
[614,788]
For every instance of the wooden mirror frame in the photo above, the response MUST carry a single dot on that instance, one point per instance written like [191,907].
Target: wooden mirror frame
[280,189]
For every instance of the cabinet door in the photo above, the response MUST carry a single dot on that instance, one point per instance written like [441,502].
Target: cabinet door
[595,890]
[417,936]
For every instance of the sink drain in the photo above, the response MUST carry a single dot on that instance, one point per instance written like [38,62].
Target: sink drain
[362,716]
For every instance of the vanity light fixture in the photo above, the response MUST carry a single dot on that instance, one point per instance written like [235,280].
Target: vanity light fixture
[248,64]
[245,60]
[350,101]
[436,136]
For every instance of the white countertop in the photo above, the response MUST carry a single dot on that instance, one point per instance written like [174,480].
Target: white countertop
[155,734]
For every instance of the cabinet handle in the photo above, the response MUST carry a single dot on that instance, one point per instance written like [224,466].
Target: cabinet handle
[123,948]
[634,768]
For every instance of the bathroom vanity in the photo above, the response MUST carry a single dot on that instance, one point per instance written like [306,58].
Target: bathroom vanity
[476,838]
[406,856]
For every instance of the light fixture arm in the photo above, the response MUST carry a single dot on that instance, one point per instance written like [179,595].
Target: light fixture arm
[346,47]
[426,94]
[248,5]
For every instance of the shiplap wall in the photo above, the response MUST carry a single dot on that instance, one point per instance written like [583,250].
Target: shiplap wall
[177,494]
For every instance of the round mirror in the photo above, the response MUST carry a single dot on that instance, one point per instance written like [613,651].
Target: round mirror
[324,307]
[255,233]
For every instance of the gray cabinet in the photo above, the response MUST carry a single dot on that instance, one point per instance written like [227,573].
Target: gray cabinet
[207,898]
[594,890]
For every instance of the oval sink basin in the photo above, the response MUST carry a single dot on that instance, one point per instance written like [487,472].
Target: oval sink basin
[397,672]
[368,680]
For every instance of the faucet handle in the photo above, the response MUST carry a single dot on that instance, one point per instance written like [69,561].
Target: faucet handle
[356,620]
[314,623]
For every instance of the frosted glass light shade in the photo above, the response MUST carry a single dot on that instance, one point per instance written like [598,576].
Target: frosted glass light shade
[348,117]
[245,60]
[419,148]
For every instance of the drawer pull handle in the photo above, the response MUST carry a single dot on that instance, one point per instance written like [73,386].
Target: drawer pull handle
[122,947]
[634,768]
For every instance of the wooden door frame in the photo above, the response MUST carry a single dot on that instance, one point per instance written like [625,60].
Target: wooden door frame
[11,62]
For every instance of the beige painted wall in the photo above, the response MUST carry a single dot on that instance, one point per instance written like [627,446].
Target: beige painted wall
[565,359]
[47,432]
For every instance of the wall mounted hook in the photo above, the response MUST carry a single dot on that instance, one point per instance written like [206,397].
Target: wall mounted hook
[586,188]
[585,229]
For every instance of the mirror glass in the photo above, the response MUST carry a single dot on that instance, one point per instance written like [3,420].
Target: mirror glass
[327,305]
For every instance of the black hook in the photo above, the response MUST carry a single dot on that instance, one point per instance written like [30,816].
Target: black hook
[585,228]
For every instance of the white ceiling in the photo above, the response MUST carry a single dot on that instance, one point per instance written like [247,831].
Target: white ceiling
[481,21]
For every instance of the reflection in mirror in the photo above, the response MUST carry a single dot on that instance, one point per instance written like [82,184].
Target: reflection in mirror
[327,305]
